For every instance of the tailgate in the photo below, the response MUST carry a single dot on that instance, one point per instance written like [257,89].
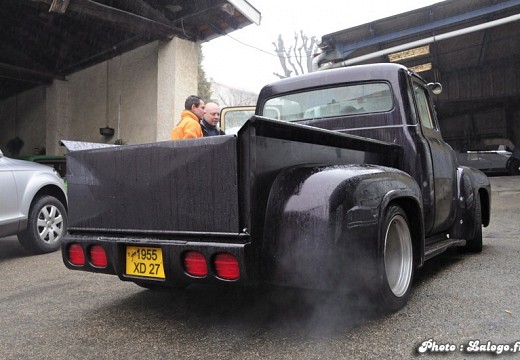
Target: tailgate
[165,187]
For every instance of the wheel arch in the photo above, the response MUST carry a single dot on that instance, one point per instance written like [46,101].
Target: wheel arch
[54,191]
[40,185]
[322,219]
[414,212]
[472,183]
[513,163]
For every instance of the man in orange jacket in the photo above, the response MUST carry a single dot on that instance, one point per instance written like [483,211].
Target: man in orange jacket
[189,127]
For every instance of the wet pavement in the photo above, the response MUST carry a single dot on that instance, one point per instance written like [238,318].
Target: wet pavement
[50,312]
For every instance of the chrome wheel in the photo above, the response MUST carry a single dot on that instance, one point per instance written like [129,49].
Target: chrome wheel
[398,256]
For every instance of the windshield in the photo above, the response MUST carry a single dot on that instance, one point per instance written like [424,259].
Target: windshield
[233,120]
[329,102]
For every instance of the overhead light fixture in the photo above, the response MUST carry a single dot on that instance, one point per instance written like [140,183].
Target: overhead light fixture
[421,68]
[59,6]
[174,8]
[228,8]
[410,53]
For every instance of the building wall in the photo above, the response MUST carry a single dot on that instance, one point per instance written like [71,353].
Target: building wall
[178,79]
[139,94]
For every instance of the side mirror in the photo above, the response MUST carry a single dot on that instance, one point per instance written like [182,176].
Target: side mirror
[436,88]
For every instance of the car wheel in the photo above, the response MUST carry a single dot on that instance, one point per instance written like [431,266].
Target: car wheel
[395,261]
[514,167]
[475,244]
[46,226]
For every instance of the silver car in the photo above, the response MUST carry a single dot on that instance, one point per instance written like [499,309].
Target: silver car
[33,204]
[494,159]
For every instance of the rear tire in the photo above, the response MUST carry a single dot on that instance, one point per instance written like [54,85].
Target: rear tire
[46,225]
[395,263]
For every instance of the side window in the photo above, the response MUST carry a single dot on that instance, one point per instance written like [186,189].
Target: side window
[423,107]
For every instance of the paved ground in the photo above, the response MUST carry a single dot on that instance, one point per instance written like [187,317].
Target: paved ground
[49,312]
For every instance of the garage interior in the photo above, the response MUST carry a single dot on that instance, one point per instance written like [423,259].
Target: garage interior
[471,47]
[71,67]
[45,40]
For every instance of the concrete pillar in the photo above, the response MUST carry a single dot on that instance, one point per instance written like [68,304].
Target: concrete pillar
[57,117]
[176,80]
[140,94]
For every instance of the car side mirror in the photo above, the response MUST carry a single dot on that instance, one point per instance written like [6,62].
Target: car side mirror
[435,88]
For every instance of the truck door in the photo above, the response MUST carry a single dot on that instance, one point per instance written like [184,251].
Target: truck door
[443,162]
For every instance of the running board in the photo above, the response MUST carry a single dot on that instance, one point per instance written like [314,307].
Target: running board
[441,246]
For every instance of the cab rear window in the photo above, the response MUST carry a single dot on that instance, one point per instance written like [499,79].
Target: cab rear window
[330,102]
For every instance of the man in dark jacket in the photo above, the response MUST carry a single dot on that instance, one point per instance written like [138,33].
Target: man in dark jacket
[210,120]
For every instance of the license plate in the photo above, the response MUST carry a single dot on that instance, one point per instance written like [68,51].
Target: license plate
[144,261]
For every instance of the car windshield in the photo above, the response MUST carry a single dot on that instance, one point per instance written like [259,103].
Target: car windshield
[343,100]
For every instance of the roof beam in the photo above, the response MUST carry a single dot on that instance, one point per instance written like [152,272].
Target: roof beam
[144,9]
[136,24]
[59,6]
[27,75]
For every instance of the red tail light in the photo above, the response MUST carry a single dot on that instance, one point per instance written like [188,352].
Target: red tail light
[195,264]
[98,256]
[226,266]
[76,255]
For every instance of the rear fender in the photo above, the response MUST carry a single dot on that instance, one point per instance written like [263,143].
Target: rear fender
[322,223]
[471,183]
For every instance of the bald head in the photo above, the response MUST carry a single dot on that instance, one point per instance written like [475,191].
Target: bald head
[212,115]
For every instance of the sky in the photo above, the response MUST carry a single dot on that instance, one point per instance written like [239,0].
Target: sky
[245,58]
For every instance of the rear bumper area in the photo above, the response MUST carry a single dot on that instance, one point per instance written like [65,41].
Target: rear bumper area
[173,253]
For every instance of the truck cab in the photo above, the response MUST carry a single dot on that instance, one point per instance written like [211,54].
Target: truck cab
[390,103]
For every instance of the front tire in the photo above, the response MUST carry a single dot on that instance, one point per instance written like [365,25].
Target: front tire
[514,166]
[395,263]
[474,244]
[46,225]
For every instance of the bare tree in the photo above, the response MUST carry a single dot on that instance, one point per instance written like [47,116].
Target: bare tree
[227,96]
[297,59]
[203,84]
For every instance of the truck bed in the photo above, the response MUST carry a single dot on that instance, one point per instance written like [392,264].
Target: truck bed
[208,186]
[164,187]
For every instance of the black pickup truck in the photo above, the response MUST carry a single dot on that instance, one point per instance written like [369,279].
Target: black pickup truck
[341,181]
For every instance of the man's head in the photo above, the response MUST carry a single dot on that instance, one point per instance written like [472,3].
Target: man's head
[212,115]
[196,105]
